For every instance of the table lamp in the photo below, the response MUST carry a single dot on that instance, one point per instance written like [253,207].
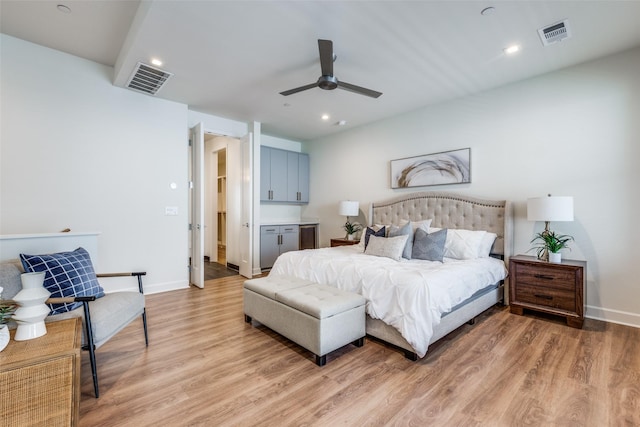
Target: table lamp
[549,208]
[349,208]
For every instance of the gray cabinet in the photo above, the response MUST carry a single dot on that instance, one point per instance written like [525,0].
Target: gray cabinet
[276,240]
[284,176]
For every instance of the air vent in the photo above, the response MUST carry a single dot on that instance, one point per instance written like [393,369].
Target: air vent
[147,79]
[555,32]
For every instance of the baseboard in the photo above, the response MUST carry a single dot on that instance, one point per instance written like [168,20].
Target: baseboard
[156,288]
[613,316]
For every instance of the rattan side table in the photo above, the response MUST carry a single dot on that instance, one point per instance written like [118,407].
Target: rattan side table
[40,378]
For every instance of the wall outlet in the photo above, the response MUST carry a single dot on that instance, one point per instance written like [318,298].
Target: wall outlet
[171,210]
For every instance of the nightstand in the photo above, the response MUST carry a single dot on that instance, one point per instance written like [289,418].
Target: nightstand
[343,242]
[548,287]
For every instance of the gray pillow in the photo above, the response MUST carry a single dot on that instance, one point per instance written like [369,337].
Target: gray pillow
[429,247]
[407,230]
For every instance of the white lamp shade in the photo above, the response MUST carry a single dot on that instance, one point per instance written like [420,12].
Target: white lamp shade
[349,208]
[550,208]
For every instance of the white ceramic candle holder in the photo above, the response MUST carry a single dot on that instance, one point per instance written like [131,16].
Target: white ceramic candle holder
[31,310]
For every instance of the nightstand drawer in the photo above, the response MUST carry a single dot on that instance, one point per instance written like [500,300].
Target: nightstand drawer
[546,277]
[563,300]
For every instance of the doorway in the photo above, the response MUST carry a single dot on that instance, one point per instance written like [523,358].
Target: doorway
[219,213]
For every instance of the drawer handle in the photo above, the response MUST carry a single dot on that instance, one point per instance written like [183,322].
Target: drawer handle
[543,296]
[543,276]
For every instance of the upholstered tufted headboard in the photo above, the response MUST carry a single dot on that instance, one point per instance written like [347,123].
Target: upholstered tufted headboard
[451,210]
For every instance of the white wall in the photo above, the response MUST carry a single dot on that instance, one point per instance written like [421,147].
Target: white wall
[574,133]
[78,152]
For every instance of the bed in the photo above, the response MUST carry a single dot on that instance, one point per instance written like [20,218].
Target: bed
[413,303]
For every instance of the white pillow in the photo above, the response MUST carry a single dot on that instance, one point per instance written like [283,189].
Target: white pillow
[485,245]
[390,247]
[462,244]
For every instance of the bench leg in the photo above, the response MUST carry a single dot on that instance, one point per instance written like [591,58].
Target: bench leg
[321,360]
[247,318]
[144,323]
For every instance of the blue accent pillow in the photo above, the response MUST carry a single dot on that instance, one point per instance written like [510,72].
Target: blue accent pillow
[429,247]
[370,231]
[68,274]
[407,230]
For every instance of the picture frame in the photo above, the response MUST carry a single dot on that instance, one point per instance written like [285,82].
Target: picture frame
[443,168]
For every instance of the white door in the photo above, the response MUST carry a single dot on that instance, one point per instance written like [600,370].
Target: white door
[197,208]
[246,214]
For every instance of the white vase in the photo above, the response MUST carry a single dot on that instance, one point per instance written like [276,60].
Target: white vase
[555,257]
[4,336]
[351,237]
[31,310]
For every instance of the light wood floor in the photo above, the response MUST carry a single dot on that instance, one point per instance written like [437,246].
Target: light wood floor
[206,367]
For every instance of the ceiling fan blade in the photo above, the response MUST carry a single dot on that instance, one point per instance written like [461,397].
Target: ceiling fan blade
[326,56]
[357,89]
[299,89]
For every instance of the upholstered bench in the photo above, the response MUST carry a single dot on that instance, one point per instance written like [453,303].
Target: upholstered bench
[317,317]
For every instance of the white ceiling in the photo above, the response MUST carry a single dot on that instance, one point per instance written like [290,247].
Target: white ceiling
[232,58]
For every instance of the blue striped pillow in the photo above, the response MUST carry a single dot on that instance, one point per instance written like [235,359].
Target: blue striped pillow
[68,274]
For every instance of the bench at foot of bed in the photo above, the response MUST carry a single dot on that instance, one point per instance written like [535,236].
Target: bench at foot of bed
[317,317]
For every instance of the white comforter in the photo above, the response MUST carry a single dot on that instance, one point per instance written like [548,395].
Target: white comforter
[410,295]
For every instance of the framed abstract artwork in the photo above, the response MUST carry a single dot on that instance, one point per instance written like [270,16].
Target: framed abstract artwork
[448,167]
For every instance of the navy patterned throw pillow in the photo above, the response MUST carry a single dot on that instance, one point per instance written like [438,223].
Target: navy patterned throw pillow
[370,231]
[429,247]
[68,274]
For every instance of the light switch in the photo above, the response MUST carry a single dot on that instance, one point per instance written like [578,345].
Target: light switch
[171,210]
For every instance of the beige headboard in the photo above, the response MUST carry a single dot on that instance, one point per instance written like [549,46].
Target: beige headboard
[451,210]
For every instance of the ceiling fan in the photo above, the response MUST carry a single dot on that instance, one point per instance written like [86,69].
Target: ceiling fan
[327,80]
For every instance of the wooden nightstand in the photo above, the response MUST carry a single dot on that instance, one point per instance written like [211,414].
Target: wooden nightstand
[548,287]
[343,242]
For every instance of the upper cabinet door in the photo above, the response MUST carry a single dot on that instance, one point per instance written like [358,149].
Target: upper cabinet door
[303,178]
[292,177]
[278,175]
[265,173]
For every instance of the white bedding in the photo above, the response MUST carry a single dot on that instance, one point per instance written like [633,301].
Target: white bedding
[410,295]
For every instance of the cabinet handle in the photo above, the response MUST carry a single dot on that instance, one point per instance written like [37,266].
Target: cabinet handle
[270,194]
[543,276]
[298,196]
[549,297]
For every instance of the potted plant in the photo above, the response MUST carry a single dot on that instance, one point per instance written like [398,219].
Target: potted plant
[351,229]
[7,308]
[548,245]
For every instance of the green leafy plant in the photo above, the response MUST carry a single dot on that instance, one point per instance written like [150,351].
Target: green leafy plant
[550,241]
[351,228]
[7,308]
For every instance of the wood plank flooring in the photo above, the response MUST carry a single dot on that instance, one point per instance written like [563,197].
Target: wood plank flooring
[206,367]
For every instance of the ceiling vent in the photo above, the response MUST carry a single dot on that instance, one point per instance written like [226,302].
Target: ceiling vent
[555,33]
[147,79]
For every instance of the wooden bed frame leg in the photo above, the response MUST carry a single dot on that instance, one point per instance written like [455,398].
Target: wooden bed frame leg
[359,342]
[321,360]
[472,321]
[247,318]
[410,355]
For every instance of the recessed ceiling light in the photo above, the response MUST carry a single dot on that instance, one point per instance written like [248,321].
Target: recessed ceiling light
[156,62]
[63,8]
[487,11]
[325,117]
[342,123]
[512,49]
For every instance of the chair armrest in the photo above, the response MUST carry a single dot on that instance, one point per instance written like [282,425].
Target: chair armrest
[68,300]
[137,274]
